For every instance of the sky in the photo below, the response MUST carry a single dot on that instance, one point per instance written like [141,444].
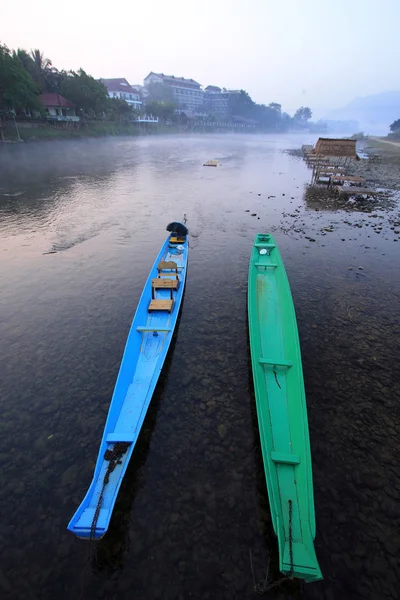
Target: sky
[318,53]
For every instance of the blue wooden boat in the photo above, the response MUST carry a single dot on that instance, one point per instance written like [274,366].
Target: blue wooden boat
[145,351]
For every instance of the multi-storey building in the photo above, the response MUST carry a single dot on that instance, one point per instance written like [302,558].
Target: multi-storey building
[187,93]
[217,101]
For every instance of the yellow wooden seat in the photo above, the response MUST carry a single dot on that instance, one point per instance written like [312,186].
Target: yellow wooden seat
[161,305]
[177,240]
[167,265]
[162,283]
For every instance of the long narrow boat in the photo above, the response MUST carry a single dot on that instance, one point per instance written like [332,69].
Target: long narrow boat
[145,351]
[281,410]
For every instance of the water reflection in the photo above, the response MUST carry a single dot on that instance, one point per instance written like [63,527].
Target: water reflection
[194,501]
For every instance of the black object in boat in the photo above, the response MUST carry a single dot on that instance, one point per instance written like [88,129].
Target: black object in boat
[179,229]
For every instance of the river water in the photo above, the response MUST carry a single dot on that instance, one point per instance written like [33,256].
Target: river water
[81,223]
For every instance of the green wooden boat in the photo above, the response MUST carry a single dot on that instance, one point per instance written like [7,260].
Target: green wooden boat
[281,410]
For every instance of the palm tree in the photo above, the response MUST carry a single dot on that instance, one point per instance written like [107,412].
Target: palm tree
[44,74]
[26,59]
[42,64]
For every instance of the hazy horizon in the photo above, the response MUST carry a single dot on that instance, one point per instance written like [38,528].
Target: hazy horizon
[321,55]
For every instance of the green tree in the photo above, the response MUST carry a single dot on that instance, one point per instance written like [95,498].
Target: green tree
[26,59]
[286,121]
[85,92]
[303,114]
[158,92]
[42,63]
[160,101]
[165,109]
[119,110]
[17,89]
[395,126]
[46,77]
[275,106]
[240,105]
[266,117]
[42,68]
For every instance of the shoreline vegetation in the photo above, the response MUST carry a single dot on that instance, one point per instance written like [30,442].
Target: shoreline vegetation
[38,101]
[32,132]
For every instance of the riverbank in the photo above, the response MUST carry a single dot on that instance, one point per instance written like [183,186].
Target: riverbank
[394,143]
[28,131]
[42,131]
[380,168]
[383,167]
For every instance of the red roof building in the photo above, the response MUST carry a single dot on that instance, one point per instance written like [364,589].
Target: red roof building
[56,100]
[58,108]
[120,88]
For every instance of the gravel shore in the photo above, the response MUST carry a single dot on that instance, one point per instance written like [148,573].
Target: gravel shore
[382,168]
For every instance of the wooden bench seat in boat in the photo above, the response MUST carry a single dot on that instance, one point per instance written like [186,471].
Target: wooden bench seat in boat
[176,240]
[166,269]
[162,283]
[167,265]
[161,305]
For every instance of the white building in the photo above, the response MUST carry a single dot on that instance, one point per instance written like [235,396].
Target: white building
[120,88]
[217,101]
[186,92]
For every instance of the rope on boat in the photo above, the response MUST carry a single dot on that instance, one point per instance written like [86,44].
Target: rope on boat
[113,457]
[279,385]
[190,245]
[263,587]
[290,538]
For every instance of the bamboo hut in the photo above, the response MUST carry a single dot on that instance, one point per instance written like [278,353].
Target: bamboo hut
[338,148]
[334,152]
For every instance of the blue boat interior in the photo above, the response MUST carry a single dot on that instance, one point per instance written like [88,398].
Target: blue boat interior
[145,351]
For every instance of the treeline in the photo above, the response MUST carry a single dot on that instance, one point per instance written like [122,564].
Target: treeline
[161,103]
[395,129]
[24,76]
[267,116]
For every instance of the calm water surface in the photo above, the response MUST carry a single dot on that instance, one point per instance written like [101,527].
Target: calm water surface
[80,224]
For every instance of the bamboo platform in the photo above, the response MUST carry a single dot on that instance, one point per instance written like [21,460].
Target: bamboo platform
[354,191]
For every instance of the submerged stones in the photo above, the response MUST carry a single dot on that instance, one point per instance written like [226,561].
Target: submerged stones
[222,430]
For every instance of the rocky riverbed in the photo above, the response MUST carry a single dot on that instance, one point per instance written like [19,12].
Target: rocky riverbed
[194,507]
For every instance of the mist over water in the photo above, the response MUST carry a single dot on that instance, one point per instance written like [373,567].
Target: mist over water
[80,226]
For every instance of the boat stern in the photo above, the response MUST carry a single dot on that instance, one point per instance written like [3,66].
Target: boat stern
[298,559]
